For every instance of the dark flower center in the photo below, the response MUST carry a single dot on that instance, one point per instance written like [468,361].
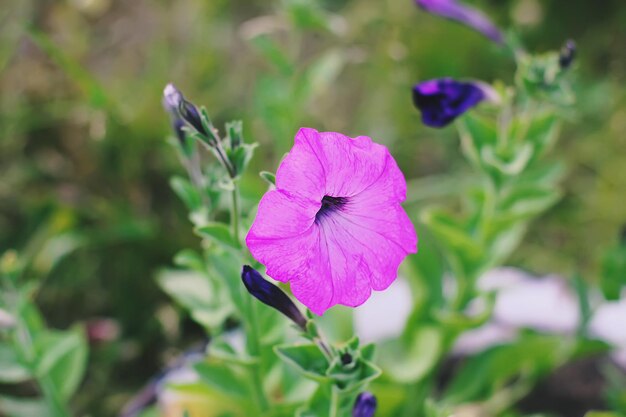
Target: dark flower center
[329,205]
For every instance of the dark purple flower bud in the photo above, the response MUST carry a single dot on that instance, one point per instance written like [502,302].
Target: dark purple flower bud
[623,235]
[453,10]
[178,107]
[567,55]
[177,127]
[443,99]
[365,405]
[270,294]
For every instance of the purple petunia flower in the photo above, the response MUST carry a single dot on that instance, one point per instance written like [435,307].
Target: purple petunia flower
[453,10]
[365,405]
[444,99]
[334,227]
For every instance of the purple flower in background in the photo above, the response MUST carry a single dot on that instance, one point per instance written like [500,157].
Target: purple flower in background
[334,227]
[443,99]
[453,10]
[365,405]
[568,54]
[271,295]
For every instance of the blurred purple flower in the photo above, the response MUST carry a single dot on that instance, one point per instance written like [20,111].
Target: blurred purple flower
[568,54]
[444,99]
[365,405]
[453,10]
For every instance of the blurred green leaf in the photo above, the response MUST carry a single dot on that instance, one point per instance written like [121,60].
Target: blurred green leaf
[24,407]
[307,15]
[321,74]
[426,272]
[476,132]
[534,356]
[62,358]
[307,359]
[186,192]
[11,371]
[228,266]
[408,360]
[613,277]
[464,252]
[218,232]
[513,163]
[188,258]
[84,79]
[194,292]
[224,378]
[273,53]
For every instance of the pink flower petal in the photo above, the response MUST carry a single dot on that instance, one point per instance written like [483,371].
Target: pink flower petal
[282,231]
[302,172]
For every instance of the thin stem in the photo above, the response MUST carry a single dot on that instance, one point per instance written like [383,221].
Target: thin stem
[254,350]
[234,212]
[321,343]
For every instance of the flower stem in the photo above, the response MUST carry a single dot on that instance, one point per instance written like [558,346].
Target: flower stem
[234,212]
[254,350]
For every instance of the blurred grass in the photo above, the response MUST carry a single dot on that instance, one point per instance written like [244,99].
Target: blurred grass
[82,133]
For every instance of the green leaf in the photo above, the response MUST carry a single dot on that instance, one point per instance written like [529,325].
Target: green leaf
[218,232]
[321,74]
[226,379]
[476,132]
[513,163]
[11,371]
[195,293]
[463,251]
[190,259]
[273,53]
[269,177]
[482,375]
[319,404]
[62,358]
[83,79]
[411,359]
[186,192]
[234,131]
[542,132]
[613,277]
[307,359]
[240,156]
[425,270]
[451,232]
[22,407]
[307,15]
[527,201]
[228,266]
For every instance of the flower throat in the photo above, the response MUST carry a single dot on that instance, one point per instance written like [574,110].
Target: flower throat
[330,204]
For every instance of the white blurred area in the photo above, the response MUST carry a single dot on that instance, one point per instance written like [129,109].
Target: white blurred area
[545,304]
[384,315]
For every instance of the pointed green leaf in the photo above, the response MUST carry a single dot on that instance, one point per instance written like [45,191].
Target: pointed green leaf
[218,232]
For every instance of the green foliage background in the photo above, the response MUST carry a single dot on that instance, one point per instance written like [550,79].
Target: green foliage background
[84,162]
